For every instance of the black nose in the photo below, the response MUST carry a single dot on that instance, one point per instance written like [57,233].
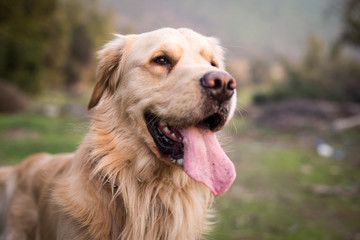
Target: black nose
[220,85]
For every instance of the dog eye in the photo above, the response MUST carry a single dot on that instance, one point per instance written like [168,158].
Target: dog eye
[213,63]
[162,60]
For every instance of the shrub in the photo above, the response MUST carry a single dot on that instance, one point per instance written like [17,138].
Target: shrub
[317,77]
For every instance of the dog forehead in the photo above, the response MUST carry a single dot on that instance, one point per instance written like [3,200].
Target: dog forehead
[168,38]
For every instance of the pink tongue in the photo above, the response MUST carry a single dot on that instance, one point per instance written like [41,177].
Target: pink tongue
[205,161]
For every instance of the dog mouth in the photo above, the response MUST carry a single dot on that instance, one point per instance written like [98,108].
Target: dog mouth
[195,149]
[169,139]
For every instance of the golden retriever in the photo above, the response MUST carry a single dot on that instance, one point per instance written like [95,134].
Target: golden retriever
[148,165]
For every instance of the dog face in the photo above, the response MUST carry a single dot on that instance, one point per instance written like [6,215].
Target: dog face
[171,87]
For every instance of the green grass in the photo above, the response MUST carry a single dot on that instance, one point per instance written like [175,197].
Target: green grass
[270,198]
[22,135]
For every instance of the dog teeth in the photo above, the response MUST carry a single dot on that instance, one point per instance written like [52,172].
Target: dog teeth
[167,130]
[180,161]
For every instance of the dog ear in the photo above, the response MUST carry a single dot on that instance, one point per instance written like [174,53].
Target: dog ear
[108,72]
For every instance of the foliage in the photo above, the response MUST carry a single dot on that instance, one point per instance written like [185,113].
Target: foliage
[351,23]
[23,27]
[317,76]
[322,75]
[259,71]
[48,42]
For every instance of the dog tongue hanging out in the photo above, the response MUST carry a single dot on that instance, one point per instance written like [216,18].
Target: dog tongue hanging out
[206,162]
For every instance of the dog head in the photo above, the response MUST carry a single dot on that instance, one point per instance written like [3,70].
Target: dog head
[170,87]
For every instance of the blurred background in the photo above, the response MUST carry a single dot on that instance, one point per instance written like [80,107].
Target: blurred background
[295,139]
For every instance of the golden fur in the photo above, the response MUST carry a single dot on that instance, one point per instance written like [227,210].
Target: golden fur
[116,185]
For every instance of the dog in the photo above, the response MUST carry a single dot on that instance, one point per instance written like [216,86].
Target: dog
[150,164]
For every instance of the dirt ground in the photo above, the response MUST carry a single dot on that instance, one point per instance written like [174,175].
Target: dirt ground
[295,115]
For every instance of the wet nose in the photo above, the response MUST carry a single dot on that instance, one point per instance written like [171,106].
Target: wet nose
[220,85]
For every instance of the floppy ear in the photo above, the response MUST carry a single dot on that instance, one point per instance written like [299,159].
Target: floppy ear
[108,71]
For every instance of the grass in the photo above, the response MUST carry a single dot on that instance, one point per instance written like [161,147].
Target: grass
[22,135]
[270,198]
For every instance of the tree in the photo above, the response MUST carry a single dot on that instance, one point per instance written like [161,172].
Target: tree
[350,34]
[49,42]
[22,30]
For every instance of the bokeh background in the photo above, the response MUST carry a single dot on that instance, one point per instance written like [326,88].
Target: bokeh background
[295,139]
